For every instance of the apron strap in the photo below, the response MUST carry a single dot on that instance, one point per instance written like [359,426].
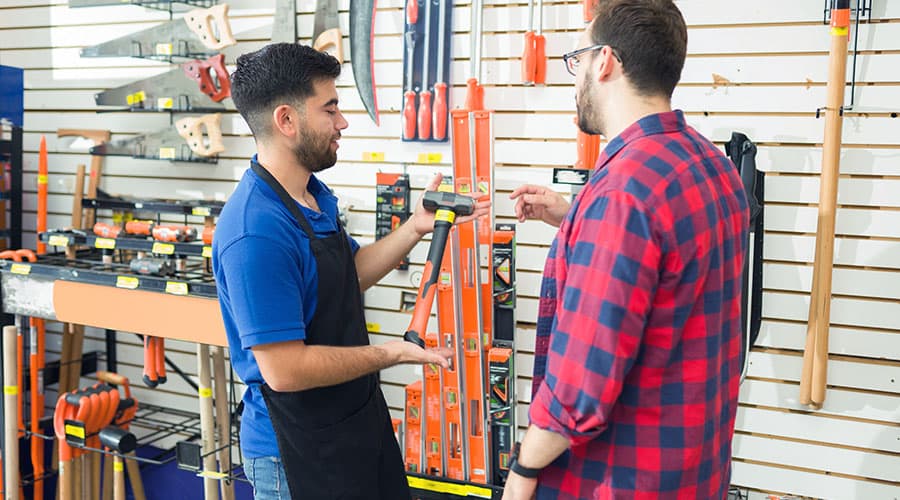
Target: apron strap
[289,203]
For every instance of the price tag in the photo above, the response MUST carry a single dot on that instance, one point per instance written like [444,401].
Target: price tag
[164,49]
[164,103]
[23,269]
[135,98]
[207,252]
[58,240]
[176,288]
[106,243]
[202,211]
[166,153]
[373,156]
[128,282]
[430,157]
[163,248]
[373,327]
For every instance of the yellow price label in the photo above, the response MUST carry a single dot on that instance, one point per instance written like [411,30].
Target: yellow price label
[164,103]
[445,216]
[176,288]
[207,252]
[202,211]
[166,153]
[164,49]
[373,327]
[430,157]
[106,243]
[205,392]
[10,390]
[75,431]
[118,466]
[163,248]
[373,156]
[136,98]
[42,179]
[840,31]
[128,282]
[23,269]
[451,488]
[58,241]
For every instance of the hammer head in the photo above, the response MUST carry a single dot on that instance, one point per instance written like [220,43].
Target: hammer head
[458,204]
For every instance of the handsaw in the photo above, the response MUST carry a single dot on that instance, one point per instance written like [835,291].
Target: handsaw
[284,24]
[326,30]
[191,36]
[185,142]
[174,90]
[362,20]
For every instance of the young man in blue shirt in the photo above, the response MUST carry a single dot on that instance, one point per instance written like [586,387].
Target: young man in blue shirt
[315,424]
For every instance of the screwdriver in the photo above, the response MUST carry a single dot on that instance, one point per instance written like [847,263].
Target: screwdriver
[412,12]
[409,97]
[440,88]
[425,94]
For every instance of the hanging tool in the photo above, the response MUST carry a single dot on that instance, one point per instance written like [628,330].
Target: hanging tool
[588,149]
[414,455]
[813,380]
[474,91]
[326,29]
[446,206]
[154,361]
[284,24]
[412,11]
[98,137]
[191,36]
[42,193]
[362,21]
[125,413]
[588,9]
[199,71]
[10,409]
[440,85]
[409,97]
[169,143]
[207,424]
[449,326]
[534,57]
[119,441]
[425,116]
[223,422]
[64,411]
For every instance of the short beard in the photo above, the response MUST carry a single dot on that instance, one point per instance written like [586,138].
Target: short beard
[588,120]
[314,152]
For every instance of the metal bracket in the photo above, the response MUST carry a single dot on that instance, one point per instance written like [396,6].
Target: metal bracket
[862,9]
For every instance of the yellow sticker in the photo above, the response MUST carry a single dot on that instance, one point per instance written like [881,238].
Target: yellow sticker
[107,243]
[129,282]
[20,269]
[163,248]
[483,186]
[42,179]
[166,153]
[207,252]
[451,488]
[58,241]
[373,327]
[176,288]
[164,49]
[213,474]
[74,431]
[202,211]
[164,103]
[10,390]
[430,157]
[445,216]
[373,156]
[840,31]
[205,392]
[445,188]
[118,466]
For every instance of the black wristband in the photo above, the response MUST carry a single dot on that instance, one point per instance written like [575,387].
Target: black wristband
[521,470]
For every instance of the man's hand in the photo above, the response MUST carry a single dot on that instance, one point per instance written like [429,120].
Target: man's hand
[539,203]
[403,352]
[424,220]
[519,488]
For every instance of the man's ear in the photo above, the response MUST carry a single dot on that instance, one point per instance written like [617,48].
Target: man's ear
[285,120]
[604,62]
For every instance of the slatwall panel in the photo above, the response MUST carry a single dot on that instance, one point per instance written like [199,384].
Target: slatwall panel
[757,67]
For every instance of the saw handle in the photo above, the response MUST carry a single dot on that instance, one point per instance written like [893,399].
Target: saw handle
[331,39]
[191,129]
[200,22]
[198,71]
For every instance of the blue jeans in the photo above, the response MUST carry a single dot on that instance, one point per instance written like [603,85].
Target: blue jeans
[266,474]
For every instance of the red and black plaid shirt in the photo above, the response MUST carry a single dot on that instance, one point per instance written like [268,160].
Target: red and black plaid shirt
[638,341]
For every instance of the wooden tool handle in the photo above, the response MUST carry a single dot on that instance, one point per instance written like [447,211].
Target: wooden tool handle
[200,22]
[192,130]
[331,39]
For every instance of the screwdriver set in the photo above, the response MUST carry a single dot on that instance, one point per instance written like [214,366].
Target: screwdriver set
[426,70]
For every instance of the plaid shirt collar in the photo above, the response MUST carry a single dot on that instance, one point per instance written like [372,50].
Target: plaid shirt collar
[660,123]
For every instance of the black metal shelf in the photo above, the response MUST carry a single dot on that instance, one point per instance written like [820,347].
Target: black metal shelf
[200,208]
[136,243]
[155,4]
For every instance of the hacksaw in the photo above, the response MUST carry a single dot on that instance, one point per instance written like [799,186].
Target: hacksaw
[192,139]
[174,90]
[191,36]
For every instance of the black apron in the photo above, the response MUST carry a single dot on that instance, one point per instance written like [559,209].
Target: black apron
[335,442]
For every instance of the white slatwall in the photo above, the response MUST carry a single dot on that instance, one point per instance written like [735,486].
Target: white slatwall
[757,67]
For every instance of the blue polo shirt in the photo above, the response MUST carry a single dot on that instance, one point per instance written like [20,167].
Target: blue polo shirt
[267,285]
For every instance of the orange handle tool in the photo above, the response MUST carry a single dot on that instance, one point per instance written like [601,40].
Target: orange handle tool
[42,194]
[412,11]
[474,95]
[440,111]
[540,59]
[528,61]
[150,378]
[409,114]
[424,114]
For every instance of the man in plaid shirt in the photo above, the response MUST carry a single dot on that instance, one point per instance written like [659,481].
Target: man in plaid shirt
[638,344]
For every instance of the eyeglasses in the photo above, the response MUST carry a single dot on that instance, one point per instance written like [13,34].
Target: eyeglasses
[571,59]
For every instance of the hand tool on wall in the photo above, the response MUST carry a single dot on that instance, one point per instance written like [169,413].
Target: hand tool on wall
[42,193]
[474,90]
[435,439]
[588,147]
[98,137]
[415,444]
[502,355]
[118,441]
[127,410]
[391,206]
[534,57]
[326,29]
[154,361]
[64,411]
[412,12]
[223,422]
[169,143]
[446,207]
[175,90]
[362,21]
[191,36]
[440,85]
[18,355]
[10,409]
[409,96]
[588,9]
[284,24]
[813,380]
[207,423]
[425,117]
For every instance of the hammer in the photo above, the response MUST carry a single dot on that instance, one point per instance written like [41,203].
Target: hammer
[121,442]
[446,207]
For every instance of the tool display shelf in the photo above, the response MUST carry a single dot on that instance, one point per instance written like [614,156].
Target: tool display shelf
[136,243]
[154,4]
[87,267]
[200,208]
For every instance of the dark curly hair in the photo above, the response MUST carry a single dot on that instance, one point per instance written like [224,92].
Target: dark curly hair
[280,73]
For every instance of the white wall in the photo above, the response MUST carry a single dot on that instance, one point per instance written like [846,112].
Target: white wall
[773,57]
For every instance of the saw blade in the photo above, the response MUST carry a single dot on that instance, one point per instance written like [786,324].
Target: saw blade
[170,91]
